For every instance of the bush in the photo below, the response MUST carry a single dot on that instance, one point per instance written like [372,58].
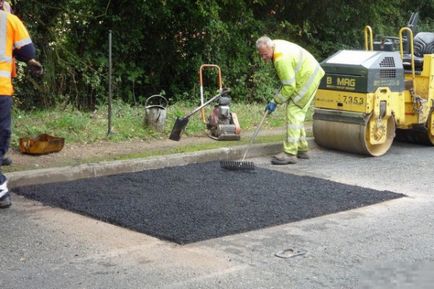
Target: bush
[160,45]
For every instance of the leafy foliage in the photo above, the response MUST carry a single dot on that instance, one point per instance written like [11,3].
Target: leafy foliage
[159,45]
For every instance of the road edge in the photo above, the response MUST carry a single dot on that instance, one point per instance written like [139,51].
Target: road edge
[105,168]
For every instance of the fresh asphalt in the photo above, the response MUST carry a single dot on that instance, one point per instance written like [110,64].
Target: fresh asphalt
[385,245]
[172,204]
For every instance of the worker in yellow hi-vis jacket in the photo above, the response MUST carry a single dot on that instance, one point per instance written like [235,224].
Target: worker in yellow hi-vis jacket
[300,75]
[15,42]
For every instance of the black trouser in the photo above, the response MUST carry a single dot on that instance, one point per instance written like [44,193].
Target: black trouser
[5,124]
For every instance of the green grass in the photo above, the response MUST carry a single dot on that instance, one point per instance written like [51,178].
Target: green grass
[187,148]
[127,122]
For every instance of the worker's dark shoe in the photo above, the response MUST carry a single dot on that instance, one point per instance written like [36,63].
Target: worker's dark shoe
[303,155]
[5,197]
[6,162]
[284,159]
[5,201]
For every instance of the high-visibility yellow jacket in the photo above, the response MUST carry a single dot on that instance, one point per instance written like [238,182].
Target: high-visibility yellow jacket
[13,35]
[298,71]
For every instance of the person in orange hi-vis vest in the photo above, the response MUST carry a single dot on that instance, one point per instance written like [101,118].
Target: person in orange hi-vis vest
[8,8]
[15,42]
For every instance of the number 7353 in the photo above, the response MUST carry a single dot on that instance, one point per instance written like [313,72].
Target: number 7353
[357,100]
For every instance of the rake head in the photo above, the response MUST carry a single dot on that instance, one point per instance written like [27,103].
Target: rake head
[237,165]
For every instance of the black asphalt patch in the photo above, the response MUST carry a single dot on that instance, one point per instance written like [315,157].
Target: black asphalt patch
[202,201]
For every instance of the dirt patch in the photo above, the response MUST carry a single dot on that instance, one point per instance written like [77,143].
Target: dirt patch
[75,154]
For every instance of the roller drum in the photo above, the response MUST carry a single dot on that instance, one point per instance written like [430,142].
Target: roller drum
[349,132]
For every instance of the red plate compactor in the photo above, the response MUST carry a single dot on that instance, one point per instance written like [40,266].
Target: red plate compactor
[222,124]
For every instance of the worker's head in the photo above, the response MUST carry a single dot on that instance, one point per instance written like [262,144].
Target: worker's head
[5,6]
[265,47]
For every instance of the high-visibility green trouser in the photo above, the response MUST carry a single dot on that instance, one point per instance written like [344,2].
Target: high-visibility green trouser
[295,140]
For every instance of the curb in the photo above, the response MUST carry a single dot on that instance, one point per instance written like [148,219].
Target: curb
[91,170]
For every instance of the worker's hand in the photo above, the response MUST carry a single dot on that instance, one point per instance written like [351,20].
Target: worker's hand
[35,67]
[271,106]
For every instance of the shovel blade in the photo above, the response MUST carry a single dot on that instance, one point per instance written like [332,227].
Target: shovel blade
[178,127]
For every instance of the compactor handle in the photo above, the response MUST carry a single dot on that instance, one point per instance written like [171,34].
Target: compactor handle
[220,83]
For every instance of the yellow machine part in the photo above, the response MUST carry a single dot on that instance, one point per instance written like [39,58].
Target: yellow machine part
[417,123]
[430,126]
[353,137]
[423,87]
[367,123]
[344,101]
[355,122]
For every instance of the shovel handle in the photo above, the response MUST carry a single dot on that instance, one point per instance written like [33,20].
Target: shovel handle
[204,104]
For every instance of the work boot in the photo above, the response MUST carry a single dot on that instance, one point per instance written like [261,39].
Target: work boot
[6,161]
[5,201]
[303,155]
[5,197]
[284,159]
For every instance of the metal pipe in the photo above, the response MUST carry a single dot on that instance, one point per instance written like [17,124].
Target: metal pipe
[110,88]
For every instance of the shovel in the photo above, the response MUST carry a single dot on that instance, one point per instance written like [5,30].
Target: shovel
[181,123]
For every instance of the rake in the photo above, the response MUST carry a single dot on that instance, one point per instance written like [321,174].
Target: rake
[244,165]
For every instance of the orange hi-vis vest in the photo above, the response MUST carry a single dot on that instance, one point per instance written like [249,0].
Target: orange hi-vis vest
[7,7]
[13,35]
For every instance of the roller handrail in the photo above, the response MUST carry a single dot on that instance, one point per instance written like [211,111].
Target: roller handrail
[369,38]
[401,49]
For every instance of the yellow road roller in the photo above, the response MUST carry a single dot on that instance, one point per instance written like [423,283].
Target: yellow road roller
[369,97]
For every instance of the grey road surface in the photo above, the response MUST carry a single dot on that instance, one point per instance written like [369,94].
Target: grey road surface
[387,245]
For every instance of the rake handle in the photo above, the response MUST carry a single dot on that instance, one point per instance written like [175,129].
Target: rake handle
[252,139]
